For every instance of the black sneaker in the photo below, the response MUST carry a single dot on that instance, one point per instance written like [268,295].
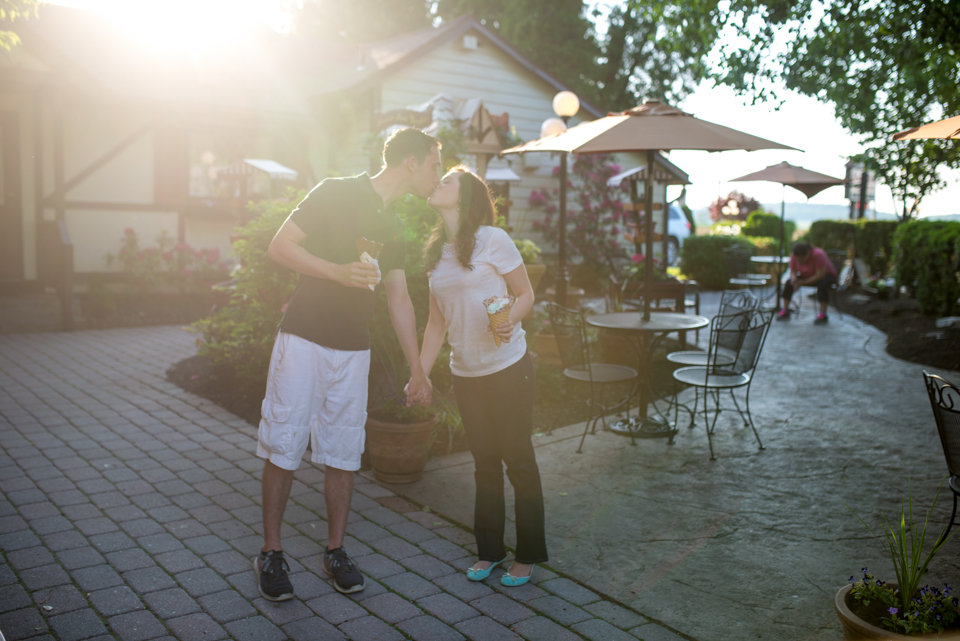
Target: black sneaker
[342,569]
[272,580]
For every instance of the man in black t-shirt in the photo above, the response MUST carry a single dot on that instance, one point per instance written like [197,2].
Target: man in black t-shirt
[317,384]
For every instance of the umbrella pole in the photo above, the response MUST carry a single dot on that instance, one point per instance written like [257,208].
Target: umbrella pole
[561,286]
[783,209]
[648,226]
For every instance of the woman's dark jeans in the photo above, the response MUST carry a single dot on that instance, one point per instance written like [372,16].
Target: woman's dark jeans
[497,413]
[823,288]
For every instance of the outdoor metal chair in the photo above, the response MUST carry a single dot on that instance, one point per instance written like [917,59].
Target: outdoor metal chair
[745,330]
[737,263]
[570,330]
[945,401]
[732,301]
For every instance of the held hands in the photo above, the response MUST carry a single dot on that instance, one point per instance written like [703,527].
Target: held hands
[358,274]
[419,390]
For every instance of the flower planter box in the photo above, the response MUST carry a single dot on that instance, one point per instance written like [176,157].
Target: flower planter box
[856,629]
[398,451]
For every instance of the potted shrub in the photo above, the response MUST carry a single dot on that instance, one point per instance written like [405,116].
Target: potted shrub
[530,252]
[869,608]
[398,437]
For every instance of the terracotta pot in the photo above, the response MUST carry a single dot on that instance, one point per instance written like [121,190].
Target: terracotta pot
[398,451]
[535,272]
[856,629]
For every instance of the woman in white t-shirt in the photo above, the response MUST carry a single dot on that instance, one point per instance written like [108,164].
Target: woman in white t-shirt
[469,260]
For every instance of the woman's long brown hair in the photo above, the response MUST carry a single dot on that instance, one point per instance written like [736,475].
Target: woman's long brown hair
[476,209]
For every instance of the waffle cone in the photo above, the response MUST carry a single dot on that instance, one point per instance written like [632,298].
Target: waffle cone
[498,319]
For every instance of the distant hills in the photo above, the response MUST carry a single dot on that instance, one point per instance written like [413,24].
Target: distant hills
[805,213]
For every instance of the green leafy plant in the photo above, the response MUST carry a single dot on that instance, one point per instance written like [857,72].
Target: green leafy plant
[872,240]
[930,610]
[169,265]
[703,259]
[529,251]
[927,257]
[239,336]
[762,223]
[904,542]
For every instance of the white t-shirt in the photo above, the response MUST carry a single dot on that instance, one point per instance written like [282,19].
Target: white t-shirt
[460,293]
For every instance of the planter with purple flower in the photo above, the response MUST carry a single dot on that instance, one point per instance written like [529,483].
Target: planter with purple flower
[870,608]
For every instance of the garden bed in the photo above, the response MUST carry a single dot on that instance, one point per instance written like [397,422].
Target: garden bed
[137,310]
[911,335]
[199,376]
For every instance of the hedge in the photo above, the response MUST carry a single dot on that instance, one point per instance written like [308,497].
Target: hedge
[928,261]
[763,224]
[872,240]
[703,259]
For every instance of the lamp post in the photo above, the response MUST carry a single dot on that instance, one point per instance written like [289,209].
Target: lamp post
[566,105]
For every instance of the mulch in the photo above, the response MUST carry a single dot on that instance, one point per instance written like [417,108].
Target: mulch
[911,335]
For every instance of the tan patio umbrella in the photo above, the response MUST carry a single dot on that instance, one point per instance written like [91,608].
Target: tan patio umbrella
[809,183]
[651,127]
[949,128]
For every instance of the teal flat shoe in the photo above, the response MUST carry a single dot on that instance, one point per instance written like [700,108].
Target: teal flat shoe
[511,581]
[481,575]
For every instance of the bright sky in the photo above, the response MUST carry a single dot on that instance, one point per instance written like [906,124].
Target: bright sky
[802,122]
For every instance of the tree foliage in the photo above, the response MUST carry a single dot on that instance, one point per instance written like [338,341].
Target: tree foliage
[10,12]
[886,66]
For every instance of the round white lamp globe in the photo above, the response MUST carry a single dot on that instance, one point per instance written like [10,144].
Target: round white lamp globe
[566,104]
[552,126]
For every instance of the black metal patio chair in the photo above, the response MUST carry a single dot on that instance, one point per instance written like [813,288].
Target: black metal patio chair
[746,330]
[732,301]
[945,401]
[570,330]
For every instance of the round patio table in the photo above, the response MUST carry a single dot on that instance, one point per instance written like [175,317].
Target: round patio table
[648,334]
[779,262]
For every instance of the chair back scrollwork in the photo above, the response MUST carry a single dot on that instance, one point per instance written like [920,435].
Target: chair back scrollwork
[945,402]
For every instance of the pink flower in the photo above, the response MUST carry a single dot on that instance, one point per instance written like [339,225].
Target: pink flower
[637,258]
[168,255]
[284,308]
[213,256]
[129,231]
[179,247]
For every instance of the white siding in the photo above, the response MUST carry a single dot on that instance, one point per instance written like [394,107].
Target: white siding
[504,86]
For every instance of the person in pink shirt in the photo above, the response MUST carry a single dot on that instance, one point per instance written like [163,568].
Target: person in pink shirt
[809,267]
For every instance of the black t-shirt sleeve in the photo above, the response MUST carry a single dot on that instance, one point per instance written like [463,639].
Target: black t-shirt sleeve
[314,210]
[393,256]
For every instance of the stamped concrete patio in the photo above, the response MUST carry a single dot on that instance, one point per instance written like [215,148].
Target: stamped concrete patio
[755,544]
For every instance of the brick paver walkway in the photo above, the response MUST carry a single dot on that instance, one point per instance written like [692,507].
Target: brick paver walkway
[129,509]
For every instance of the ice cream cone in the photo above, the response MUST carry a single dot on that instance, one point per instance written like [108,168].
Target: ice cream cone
[369,253]
[500,316]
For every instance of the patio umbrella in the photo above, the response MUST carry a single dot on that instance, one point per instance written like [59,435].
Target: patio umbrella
[810,183]
[949,128]
[651,127]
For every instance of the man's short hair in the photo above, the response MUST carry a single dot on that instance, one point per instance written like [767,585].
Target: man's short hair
[801,249]
[407,142]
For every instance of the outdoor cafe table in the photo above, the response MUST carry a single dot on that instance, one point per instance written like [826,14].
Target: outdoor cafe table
[648,334]
[779,262]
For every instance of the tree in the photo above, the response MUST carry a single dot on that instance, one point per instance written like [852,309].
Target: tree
[358,20]
[735,207]
[10,12]
[886,66]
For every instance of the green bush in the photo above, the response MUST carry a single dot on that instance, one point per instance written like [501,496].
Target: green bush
[927,255]
[761,223]
[874,244]
[765,245]
[703,259]
[831,234]
[872,240]
[239,337]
